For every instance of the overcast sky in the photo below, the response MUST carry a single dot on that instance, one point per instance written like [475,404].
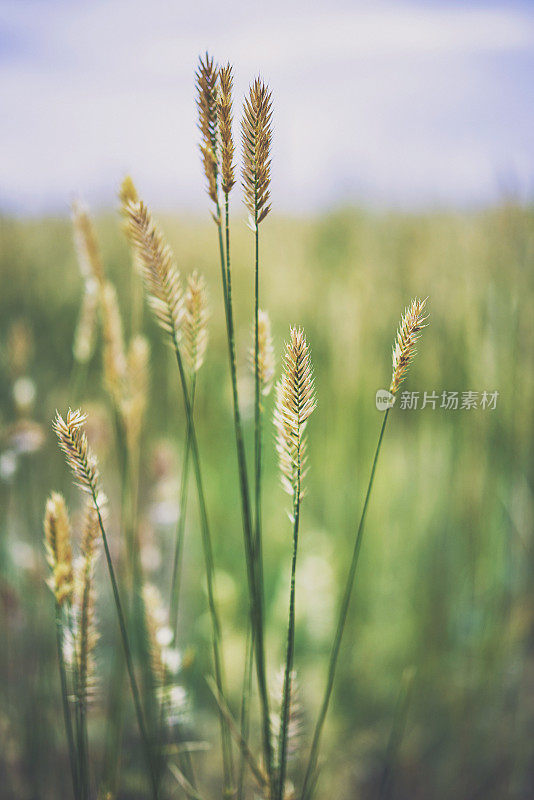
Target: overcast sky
[391,103]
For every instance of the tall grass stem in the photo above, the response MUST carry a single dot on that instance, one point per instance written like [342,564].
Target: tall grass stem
[310,774]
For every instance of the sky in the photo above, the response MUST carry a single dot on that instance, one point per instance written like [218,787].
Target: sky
[388,104]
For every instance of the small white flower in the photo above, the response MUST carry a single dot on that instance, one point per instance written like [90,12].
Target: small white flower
[164,636]
[8,465]
[172,659]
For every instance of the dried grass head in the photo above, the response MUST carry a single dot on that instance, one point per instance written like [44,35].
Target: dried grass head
[58,548]
[225,118]
[295,402]
[256,137]
[73,443]
[207,90]
[408,333]
[195,322]
[161,276]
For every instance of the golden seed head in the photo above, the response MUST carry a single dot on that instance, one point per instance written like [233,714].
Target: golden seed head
[295,402]
[266,360]
[58,548]
[195,322]
[73,443]
[295,728]
[157,629]
[161,276]
[135,397]
[256,136]
[206,83]
[88,252]
[84,336]
[409,331]
[85,630]
[114,355]
[128,192]
[224,115]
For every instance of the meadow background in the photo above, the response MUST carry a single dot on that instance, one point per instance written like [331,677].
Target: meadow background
[444,586]
[402,167]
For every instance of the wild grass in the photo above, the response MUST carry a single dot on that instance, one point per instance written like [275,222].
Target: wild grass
[438,583]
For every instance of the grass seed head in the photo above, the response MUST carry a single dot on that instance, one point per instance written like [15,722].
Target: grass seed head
[195,322]
[114,352]
[86,633]
[73,443]
[58,548]
[87,250]
[266,360]
[161,276]
[134,401]
[256,137]
[84,336]
[409,332]
[207,96]
[295,402]
[225,117]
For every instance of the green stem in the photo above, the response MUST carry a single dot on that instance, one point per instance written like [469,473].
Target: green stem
[245,710]
[65,701]
[286,696]
[253,575]
[127,653]
[81,698]
[180,529]
[209,563]
[176,581]
[309,778]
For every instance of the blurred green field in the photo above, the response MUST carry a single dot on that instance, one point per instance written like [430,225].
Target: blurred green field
[445,584]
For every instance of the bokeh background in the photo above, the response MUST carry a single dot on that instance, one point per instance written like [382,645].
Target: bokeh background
[402,165]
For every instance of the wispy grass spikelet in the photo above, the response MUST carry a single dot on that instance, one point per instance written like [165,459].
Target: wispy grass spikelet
[114,353]
[206,83]
[86,630]
[195,322]
[296,721]
[266,360]
[135,398]
[58,548]
[73,443]
[158,632]
[224,114]
[84,336]
[88,252]
[256,136]
[128,192]
[161,276]
[295,402]
[409,331]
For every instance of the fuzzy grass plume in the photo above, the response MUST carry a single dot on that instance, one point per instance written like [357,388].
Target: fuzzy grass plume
[224,118]
[409,332]
[84,337]
[84,606]
[195,322]
[256,137]
[161,276]
[206,83]
[295,402]
[266,360]
[114,355]
[58,548]
[73,443]
[88,252]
